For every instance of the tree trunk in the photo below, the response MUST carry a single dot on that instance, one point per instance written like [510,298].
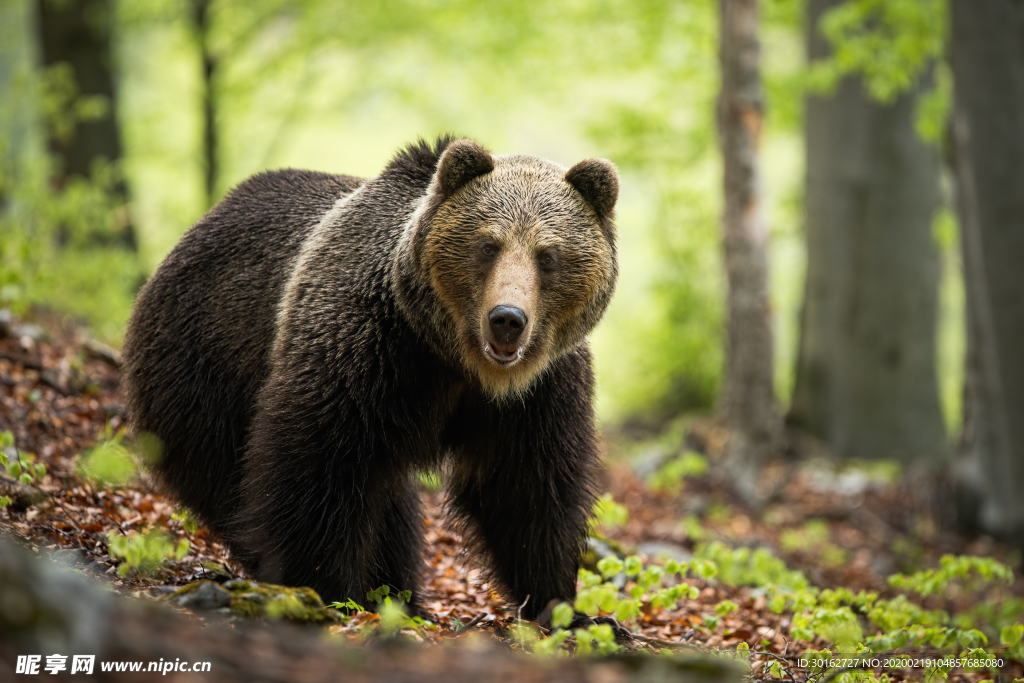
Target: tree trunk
[988,143]
[78,33]
[201,26]
[866,373]
[18,109]
[748,394]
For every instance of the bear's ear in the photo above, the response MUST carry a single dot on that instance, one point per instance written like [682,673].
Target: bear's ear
[462,161]
[598,182]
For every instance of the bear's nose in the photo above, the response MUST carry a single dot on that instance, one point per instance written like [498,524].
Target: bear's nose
[507,323]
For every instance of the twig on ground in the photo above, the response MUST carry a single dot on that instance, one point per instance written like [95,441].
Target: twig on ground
[519,620]
[67,515]
[667,644]
[471,623]
[657,642]
[783,661]
[519,610]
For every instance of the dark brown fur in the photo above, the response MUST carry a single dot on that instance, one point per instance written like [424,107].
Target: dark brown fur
[315,340]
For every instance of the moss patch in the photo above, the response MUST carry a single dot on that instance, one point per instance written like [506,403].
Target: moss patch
[254,600]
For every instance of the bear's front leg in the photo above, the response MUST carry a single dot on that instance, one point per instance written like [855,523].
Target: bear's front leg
[523,481]
[324,504]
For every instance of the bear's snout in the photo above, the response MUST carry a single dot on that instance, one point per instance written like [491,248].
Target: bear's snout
[507,323]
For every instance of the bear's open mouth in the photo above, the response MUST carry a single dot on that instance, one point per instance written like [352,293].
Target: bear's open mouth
[503,354]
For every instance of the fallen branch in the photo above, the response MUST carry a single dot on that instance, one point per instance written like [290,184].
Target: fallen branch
[666,644]
[470,624]
[22,496]
[100,351]
[45,375]
[26,363]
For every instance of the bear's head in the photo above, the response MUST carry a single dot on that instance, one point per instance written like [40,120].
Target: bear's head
[516,257]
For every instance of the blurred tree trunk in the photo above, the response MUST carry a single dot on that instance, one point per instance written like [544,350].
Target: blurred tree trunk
[19,136]
[988,143]
[866,374]
[78,33]
[748,402]
[201,24]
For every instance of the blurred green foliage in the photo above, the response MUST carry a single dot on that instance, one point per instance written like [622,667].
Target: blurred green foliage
[56,245]
[340,86]
[814,538]
[669,477]
[23,467]
[891,44]
[109,462]
[145,552]
[609,514]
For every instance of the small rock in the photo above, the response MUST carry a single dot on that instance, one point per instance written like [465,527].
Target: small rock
[651,460]
[160,591]
[94,567]
[665,550]
[206,597]
[32,333]
[258,598]
[600,549]
[70,556]
[237,585]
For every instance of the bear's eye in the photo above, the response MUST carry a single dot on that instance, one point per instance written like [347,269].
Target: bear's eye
[548,260]
[488,249]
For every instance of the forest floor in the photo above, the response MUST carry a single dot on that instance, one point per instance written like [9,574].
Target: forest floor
[841,526]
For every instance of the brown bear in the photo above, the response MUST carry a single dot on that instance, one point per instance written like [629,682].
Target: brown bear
[315,340]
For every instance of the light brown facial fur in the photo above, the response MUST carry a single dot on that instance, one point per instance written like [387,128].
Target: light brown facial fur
[513,285]
[528,235]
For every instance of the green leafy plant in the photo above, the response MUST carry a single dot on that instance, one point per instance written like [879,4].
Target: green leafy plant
[838,616]
[647,586]
[598,594]
[26,471]
[609,514]
[350,605]
[596,639]
[725,607]
[146,552]
[23,468]
[669,477]
[1012,637]
[743,567]
[562,615]
[814,538]
[393,614]
[188,521]
[394,618]
[109,461]
[952,568]
[391,609]
[378,595]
